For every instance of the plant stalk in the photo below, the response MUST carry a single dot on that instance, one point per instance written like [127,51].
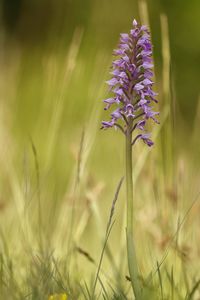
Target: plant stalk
[131,253]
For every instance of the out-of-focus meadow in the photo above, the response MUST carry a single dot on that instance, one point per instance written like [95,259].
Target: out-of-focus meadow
[59,171]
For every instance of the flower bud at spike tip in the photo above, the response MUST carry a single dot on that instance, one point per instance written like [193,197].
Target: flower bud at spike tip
[131,83]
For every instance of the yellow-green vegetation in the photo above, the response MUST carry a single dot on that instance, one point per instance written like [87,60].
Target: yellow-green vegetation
[59,174]
[58,297]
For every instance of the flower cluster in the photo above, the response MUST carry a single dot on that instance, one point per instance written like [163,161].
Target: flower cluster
[131,84]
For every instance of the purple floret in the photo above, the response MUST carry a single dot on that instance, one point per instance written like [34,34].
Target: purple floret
[131,83]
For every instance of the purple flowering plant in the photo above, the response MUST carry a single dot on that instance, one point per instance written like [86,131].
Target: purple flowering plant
[132,98]
[131,84]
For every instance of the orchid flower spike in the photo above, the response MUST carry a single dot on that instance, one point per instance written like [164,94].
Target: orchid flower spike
[131,84]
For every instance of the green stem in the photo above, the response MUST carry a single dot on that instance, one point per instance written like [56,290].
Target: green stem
[132,260]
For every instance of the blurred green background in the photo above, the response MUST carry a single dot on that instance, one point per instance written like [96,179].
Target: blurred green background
[47,27]
[55,57]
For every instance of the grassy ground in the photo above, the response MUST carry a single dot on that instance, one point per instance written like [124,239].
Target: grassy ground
[59,177]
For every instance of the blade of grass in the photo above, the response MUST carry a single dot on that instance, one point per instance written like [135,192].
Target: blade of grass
[160,281]
[108,230]
[180,224]
[194,289]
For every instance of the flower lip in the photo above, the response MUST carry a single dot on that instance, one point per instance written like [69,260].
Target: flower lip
[141,124]
[116,114]
[147,81]
[146,139]
[107,124]
[115,72]
[112,82]
[130,110]
[138,87]
[118,91]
